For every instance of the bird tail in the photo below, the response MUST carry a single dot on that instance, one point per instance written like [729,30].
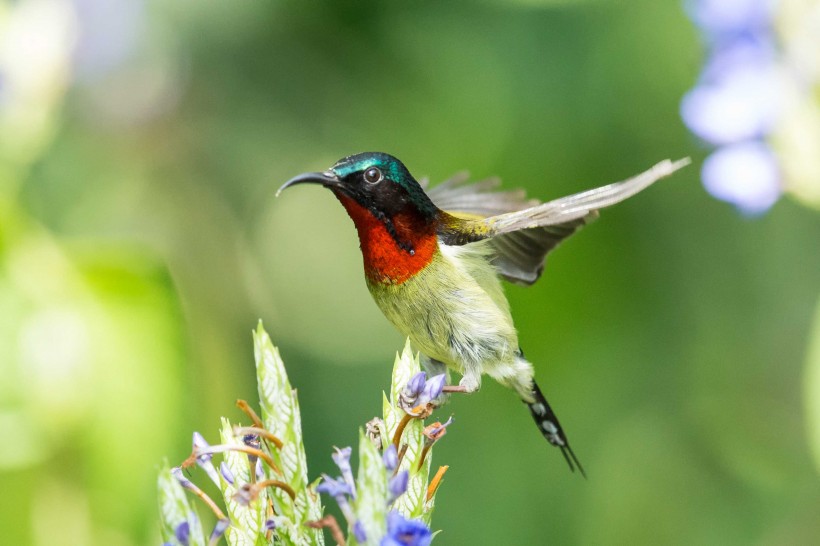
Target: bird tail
[550,428]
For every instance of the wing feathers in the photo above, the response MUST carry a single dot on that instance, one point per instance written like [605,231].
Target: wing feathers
[521,231]
[580,205]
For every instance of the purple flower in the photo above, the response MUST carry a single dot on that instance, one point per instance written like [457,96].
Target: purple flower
[743,103]
[432,388]
[226,472]
[204,460]
[397,485]
[390,458]
[183,533]
[342,459]
[219,530]
[730,16]
[270,525]
[745,175]
[338,489]
[405,532]
[334,487]
[415,385]
[176,472]
[358,532]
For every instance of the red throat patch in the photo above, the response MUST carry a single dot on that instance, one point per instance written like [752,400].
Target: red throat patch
[384,260]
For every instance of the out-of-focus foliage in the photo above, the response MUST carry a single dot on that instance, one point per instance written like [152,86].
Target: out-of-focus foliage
[140,146]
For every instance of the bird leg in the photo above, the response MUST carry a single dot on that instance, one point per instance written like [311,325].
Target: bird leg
[455,388]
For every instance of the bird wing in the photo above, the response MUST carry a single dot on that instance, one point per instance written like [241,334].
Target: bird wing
[522,232]
[518,255]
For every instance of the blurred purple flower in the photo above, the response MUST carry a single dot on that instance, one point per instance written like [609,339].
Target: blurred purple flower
[745,175]
[405,532]
[342,459]
[737,101]
[183,533]
[397,485]
[730,16]
[741,105]
[390,458]
[358,532]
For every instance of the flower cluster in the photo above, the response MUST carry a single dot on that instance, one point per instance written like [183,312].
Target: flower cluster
[756,100]
[737,101]
[262,474]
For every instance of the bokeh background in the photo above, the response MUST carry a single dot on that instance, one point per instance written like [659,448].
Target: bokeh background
[141,143]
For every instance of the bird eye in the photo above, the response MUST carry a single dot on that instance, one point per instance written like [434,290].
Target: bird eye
[373,175]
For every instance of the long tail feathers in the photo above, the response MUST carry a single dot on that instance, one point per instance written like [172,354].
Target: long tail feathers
[549,426]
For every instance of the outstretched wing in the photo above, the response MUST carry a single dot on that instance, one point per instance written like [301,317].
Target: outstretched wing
[518,256]
[522,232]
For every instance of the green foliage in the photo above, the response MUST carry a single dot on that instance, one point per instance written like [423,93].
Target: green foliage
[273,503]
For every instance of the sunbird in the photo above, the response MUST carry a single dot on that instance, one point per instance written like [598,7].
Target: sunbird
[433,260]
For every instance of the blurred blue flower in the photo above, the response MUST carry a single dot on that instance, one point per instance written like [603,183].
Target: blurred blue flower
[746,175]
[397,485]
[742,104]
[334,487]
[390,458]
[737,101]
[405,532]
[342,459]
[183,532]
[731,16]
[359,533]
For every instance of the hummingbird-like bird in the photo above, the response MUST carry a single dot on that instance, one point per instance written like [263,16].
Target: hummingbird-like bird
[433,260]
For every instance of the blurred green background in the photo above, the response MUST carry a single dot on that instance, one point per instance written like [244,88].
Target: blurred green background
[140,241]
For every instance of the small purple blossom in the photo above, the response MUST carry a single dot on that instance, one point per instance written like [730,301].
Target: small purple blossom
[334,487]
[270,524]
[177,473]
[342,459]
[226,472]
[390,458]
[260,470]
[183,533]
[397,486]
[358,532]
[405,532]
[415,385]
[203,460]
[219,530]
[339,489]
[432,388]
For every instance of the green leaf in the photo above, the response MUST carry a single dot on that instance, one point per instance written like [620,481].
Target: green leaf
[247,522]
[370,505]
[280,414]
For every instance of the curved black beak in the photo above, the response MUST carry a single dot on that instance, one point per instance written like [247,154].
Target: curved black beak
[327,179]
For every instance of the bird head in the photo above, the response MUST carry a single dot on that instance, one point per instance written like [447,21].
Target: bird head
[376,181]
